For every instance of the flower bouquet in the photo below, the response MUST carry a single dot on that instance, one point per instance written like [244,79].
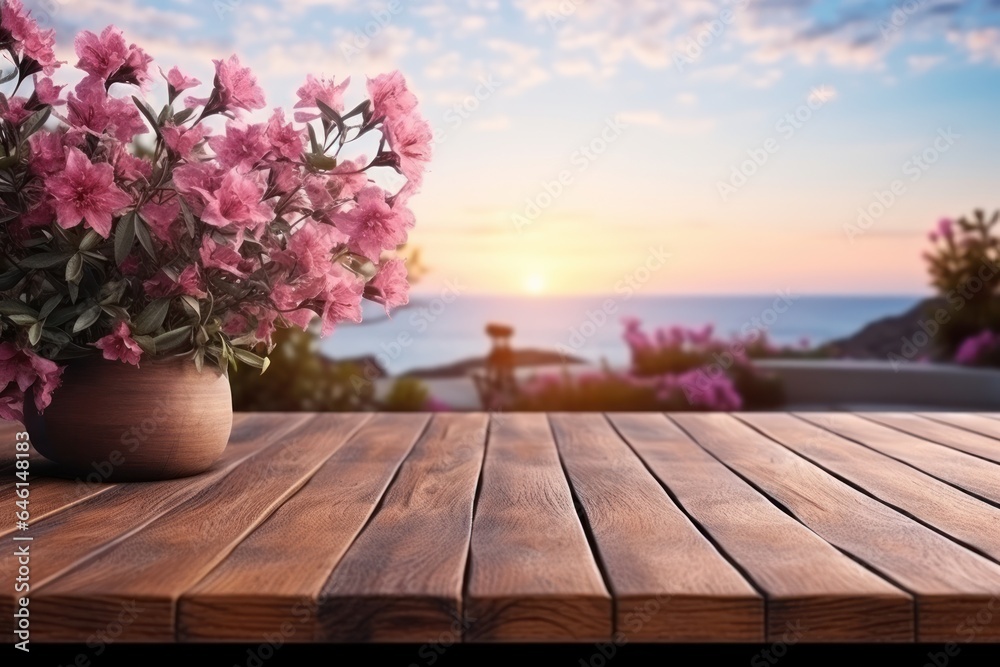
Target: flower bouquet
[183,234]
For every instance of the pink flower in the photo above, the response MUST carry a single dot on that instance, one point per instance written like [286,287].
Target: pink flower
[120,346]
[48,156]
[128,168]
[436,405]
[390,96]
[221,257]
[242,147]
[86,191]
[47,92]
[90,107]
[235,88]
[410,139]
[236,202]
[184,140]
[286,141]
[110,59]
[20,370]
[324,90]
[945,228]
[372,224]
[973,348]
[17,26]
[342,293]
[179,81]
[161,217]
[188,283]
[341,183]
[195,177]
[16,111]
[390,286]
[311,249]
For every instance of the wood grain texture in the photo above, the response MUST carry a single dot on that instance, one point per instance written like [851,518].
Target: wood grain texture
[153,567]
[668,580]
[951,465]
[402,578]
[969,422]
[92,524]
[943,434]
[810,585]
[269,584]
[949,581]
[955,513]
[167,420]
[532,575]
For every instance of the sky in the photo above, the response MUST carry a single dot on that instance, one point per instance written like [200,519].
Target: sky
[739,147]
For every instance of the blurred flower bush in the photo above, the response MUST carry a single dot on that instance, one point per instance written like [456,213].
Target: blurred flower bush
[206,242]
[673,369]
[964,268]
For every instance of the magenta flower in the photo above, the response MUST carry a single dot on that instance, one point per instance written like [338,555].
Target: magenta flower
[410,139]
[221,257]
[19,370]
[236,202]
[235,88]
[20,31]
[286,141]
[390,285]
[47,153]
[128,168]
[372,224]
[184,140]
[47,92]
[324,90]
[390,97]
[179,81]
[108,58]
[342,183]
[92,108]
[161,217]
[973,348]
[188,283]
[86,192]
[120,346]
[945,228]
[342,293]
[242,146]
[17,110]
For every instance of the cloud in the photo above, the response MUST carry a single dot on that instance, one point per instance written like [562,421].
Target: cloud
[922,63]
[982,45]
[674,126]
[687,99]
[492,124]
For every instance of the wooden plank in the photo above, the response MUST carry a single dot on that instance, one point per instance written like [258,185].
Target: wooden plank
[92,525]
[943,434]
[669,582]
[969,422]
[953,466]
[950,582]
[929,500]
[151,568]
[532,576]
[270,583]
[402,578]
[810,585]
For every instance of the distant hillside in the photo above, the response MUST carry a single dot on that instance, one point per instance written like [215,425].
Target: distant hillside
[882,337]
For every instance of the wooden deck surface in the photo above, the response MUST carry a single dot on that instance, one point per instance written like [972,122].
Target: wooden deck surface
[454,528]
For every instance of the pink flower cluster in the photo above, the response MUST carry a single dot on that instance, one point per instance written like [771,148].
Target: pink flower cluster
[972,350]
[240,223]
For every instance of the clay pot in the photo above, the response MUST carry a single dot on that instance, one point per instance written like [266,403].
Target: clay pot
[121,423]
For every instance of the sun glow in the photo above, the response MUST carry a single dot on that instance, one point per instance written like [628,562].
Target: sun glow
[534,283]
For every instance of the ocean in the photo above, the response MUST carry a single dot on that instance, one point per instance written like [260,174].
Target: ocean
[435,331]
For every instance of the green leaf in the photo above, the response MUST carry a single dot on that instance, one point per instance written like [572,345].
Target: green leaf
[35,333]
[183,115]
[49,306]
[56,336]
[87,320]
[331,115]
[44,260]
[148,113]
[189,220]
[23,320]
[251,359]
[10,279]
[172,340]
[145,240]
[15,307]
[35,122]
[61,316]
[193,305]
[362,266]
[313,141]
[124,237]
[115,312]
[90,241]
[74,268]
[199,358]
[147,343]
[151,318]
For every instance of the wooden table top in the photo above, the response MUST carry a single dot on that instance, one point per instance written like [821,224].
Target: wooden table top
[530,527]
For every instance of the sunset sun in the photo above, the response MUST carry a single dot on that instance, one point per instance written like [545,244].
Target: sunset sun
[534,283]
